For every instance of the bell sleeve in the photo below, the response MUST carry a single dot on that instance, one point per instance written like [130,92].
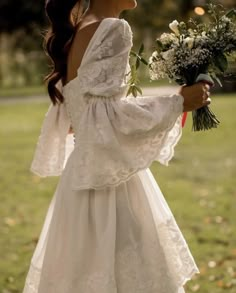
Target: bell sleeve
[54,144]
[117,135]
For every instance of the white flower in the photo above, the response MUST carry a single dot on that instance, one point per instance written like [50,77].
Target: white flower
[153,58]
[191,32]
[168,55]
[167,39]
[226,19]
[189,41]
[174,26]
[204,35]
[199,39]
[155,54]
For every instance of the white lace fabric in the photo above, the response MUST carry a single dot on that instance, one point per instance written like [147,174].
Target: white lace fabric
[130,274]
[115,135]
[50,154]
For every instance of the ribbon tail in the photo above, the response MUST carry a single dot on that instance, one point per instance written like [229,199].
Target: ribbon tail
[184,118]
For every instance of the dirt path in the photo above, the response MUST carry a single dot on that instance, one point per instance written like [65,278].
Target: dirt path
[148,91]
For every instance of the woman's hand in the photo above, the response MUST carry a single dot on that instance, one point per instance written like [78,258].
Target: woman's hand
[195,96]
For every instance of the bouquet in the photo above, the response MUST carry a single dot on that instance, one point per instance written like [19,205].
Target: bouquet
[195,50]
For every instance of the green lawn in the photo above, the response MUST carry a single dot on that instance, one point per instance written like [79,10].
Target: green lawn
[22,91]
[199,186]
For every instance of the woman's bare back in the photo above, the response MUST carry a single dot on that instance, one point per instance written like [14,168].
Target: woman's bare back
[79,45]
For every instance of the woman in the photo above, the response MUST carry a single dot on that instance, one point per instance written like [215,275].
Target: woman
[108,228]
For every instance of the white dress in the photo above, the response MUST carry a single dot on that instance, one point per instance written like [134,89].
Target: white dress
[108,228]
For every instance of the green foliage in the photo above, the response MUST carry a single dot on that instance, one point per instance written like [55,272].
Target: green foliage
[134,82]
[21,14]
[221,62]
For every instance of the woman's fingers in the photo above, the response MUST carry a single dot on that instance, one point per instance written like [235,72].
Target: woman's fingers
[207,86]
[206,94]
[196,96]
[206,102]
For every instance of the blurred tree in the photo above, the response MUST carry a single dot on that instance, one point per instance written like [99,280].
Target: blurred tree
[24,19]
[21,14]
[22,22]
[152,16]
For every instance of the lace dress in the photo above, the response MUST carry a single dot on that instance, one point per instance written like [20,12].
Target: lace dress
[108,228]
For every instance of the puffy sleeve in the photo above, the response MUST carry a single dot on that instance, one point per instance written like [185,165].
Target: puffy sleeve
[118,135]
[54,144]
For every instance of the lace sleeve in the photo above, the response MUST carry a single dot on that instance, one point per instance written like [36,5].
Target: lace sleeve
[118,137]
[54,143]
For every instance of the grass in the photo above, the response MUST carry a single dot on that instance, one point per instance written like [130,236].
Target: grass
[199,186]
[8,92]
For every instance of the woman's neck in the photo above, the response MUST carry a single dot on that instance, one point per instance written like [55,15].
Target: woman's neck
[103,10]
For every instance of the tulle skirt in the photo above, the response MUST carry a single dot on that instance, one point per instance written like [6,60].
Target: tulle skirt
[121,239]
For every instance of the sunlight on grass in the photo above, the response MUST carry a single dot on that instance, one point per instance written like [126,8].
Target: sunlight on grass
[199,186]
[22,91]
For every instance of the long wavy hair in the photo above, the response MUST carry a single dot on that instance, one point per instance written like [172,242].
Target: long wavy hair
[63,23]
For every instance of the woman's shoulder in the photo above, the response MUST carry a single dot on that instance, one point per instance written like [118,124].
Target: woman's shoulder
[117,28]
[118,22]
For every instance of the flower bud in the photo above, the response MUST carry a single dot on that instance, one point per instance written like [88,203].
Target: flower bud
[190,42]
[174,26]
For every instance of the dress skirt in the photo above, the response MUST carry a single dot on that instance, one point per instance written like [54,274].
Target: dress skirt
[121,239]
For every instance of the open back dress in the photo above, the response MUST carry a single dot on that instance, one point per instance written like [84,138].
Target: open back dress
[108,228]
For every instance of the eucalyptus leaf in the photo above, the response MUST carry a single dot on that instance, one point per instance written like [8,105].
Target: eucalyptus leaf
[129,91]
[221,62]
[133,81]
[134,91]
[144,61]
[231,13]
[132,53]
[137,63]
[141,49]
[216,78]
[159,44]
[139,90]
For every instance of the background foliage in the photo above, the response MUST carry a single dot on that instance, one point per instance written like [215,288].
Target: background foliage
[23,24]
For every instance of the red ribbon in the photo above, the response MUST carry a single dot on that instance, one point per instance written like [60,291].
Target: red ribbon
[184,118]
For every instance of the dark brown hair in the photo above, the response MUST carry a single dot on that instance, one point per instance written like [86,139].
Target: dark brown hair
[58,41]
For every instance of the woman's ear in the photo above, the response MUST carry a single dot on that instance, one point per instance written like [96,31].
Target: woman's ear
[77,12]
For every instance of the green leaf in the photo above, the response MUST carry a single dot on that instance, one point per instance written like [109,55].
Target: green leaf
[134,54]
[141,49]
[129,91]
[231,13]
[221,62]
[159,44]
[133,71]
[144,61]
[134,91]
[216,78]
[139,90]
[133,81]
[137,63]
